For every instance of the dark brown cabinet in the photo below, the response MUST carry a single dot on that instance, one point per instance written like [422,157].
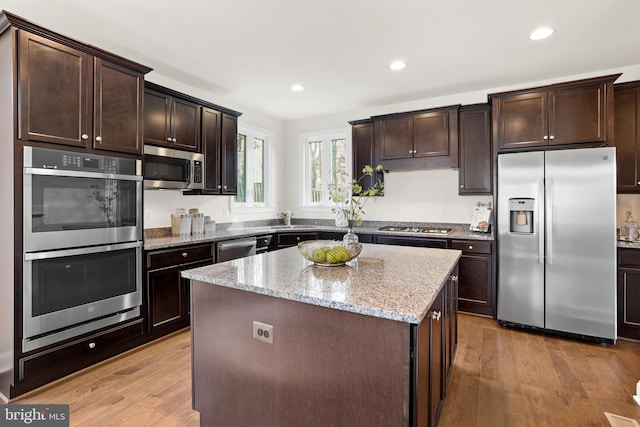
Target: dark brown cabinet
[412,241]
[292,239]
[474,175]
[629,293]
[362,141]
[567,113]
[69,96]
[627,136]
[417,140]
[476,287]
[170,121]
[168,297]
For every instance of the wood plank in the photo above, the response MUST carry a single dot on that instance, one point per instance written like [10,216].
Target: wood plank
[538,381]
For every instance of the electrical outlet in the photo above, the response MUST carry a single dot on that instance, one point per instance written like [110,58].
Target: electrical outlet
[148,215]
[263,332]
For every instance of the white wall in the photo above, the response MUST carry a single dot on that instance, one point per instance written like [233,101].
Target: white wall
[430,196]
[427,195]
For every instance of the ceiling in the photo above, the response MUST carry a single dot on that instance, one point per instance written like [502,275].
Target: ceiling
[247,53]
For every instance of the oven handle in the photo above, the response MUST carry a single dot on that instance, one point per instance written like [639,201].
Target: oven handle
[82,174]
[31,256]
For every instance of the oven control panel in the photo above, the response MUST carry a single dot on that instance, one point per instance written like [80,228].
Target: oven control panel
[43,158]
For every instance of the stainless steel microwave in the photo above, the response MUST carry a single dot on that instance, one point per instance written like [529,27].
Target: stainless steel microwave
[166,168]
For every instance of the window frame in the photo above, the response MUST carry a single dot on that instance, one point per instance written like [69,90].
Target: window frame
[326,136]
[252,132]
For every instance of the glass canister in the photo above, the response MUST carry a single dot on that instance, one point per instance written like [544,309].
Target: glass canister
[629,229]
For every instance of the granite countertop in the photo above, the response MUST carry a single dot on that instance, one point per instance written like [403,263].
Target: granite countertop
[457,233]
[390,282]
[629,245]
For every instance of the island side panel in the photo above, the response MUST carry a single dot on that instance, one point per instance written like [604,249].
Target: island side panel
[325,367]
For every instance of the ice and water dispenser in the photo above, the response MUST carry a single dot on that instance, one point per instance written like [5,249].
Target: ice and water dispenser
[521,216]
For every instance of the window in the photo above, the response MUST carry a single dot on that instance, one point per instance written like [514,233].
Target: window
[327,159]
[253,149]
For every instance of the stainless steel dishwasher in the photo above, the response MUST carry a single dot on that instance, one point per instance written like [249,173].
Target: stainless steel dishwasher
[237,248]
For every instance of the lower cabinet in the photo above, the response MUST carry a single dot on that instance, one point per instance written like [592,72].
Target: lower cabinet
[168,295]
[629,293]
[54,362]
[434,347]
[476,286]
[284,240]
[422,242]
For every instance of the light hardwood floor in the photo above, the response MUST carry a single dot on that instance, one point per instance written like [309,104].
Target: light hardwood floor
[502,377]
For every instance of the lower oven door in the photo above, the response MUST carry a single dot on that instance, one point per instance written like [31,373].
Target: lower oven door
[70,292]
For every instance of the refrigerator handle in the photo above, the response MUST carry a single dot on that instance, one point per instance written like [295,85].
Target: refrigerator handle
[540,222]
[549,219]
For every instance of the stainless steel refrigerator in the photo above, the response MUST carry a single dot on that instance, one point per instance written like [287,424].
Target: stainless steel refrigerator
[557,241]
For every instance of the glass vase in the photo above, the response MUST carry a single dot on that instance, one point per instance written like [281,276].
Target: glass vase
[350,239]
[341,219]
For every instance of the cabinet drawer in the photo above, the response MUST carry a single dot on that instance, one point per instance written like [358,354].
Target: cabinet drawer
[293,239]
[472,246]
[629,257]
[75,351]
[177,256]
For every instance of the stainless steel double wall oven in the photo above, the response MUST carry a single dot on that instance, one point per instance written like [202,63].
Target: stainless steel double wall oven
[82,256]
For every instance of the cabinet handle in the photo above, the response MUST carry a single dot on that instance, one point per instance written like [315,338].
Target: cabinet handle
[470,246]
[184,254]
[436,315]
[85,136]
[99,138]
[297,238]
[219,187]
[453,278]
[92,345]
[169,139]
[225,187]
[462,186]
[545,137]
[173,140]
[552,137]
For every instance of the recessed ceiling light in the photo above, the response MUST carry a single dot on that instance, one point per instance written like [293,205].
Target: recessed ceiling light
[541,33]
[297,87]
[397,65]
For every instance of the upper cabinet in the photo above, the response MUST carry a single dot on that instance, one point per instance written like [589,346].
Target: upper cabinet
[474,175]
[362,141]
[627,128]
[567,113]
[74,94]
[417,140]
[170,120]
[176,120]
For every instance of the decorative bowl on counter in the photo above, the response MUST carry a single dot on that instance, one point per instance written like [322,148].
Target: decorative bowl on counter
[328,253]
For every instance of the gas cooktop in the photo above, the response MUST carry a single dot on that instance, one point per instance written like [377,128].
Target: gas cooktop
[427,230]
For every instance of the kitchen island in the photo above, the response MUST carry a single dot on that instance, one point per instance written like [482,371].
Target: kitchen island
[277,340]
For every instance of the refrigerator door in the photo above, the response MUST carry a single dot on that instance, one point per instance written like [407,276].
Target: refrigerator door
[520,255]
[581,241]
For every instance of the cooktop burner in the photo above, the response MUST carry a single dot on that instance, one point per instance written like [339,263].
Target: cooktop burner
[403,229]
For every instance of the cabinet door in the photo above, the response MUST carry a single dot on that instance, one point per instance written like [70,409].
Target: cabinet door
[475,289]
[363,143]
[117,108]
[431,134]
[396,137]
[474,175]
[229,154]
[626,137]
[211,132]
[629,303]
[437,358]
[166,297]
[185,125]
[578,114]
[157,113]
[54,92]
[522,120]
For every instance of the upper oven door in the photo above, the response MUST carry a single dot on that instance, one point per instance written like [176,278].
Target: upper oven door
[66,208]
